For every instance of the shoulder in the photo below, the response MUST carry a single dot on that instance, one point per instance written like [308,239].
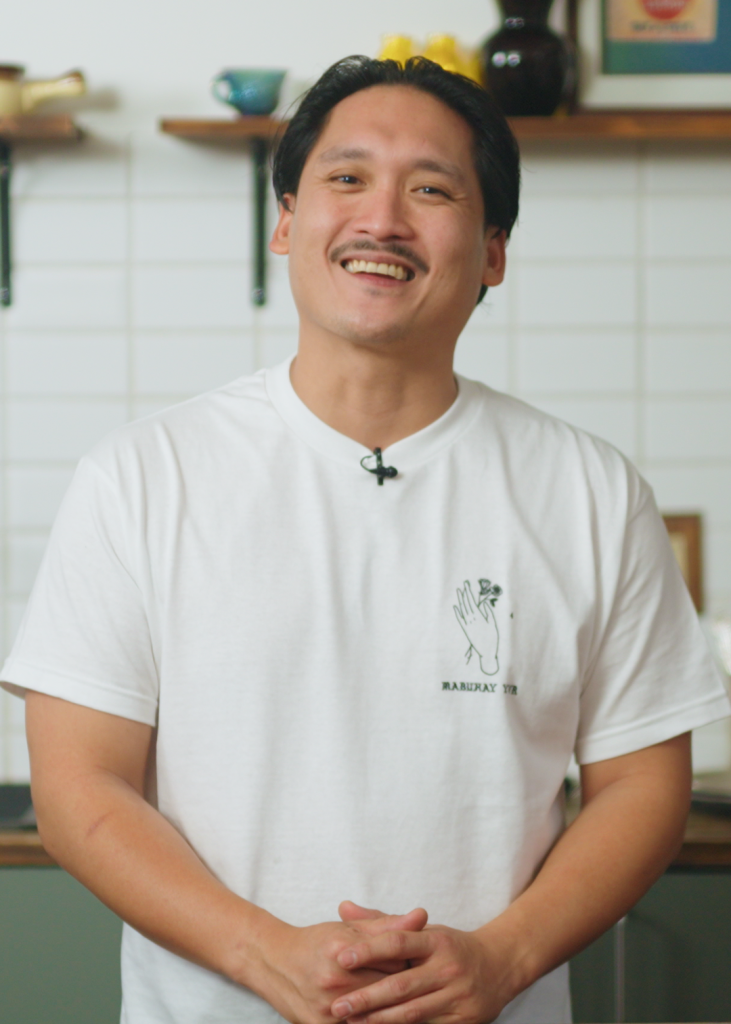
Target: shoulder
[188,430]
[539,446]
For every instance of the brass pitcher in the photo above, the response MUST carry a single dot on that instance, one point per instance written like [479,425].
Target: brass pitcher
[21,97]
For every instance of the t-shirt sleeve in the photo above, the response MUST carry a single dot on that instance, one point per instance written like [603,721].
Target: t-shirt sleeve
[85,636]
[653,676]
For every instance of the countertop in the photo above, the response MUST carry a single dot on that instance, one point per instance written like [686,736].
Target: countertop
[707,844]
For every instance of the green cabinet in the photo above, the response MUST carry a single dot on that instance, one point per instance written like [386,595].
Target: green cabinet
[59,951]
[677,955]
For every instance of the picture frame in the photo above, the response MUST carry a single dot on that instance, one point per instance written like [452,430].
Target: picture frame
[600,90]
[686,539]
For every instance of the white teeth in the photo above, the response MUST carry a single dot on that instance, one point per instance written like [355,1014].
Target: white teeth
[369,267]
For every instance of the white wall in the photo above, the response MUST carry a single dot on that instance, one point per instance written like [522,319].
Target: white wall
[132,269]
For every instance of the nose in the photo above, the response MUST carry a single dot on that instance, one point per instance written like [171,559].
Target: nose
[383,213]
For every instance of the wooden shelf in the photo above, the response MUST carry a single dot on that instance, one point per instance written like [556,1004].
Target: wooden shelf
[23,849]
[638,126]
[28,128]
[707,841]
[216,129]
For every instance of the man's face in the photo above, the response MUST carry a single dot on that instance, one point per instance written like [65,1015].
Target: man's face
[386,235]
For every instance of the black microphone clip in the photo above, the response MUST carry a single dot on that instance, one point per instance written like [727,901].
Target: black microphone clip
[379,469]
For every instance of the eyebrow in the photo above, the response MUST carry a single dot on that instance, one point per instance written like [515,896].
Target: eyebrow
[450,170]
[342,153]
[336,153]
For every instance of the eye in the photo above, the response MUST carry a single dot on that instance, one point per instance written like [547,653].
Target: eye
[346,179]
[433,190]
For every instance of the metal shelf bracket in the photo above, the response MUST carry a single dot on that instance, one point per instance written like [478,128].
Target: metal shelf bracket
[259,153]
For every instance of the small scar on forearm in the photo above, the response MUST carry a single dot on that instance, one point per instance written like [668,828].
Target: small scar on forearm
[95,825]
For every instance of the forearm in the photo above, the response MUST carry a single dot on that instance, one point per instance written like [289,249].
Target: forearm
[105,834]
[88,776]
[625,836]
[623,839]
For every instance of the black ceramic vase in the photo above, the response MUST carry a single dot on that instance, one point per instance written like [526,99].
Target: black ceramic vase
[528,68]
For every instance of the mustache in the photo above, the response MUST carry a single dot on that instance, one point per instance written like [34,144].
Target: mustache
[393,248]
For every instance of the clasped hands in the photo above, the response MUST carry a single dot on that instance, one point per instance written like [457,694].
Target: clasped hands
[381,969]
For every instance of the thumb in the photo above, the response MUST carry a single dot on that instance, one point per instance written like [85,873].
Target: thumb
[350,911]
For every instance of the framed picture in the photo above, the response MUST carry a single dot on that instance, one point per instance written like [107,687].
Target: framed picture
[686,541]
[654,53]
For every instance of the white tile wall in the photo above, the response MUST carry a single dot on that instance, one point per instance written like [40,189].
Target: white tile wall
[25,552]
[34,494]
[688,361]
[63,296]
[688,428]
[688,227]
[691,294]
[72,231]
[191,296]
[191,230]
[559,227]
[578,361]
[66,363]
[483,353]
[686,486]
[183,362]
[165,166]
[132,283]
[718,560]
[596,170]
[93,168]
[59,430]
[570,294]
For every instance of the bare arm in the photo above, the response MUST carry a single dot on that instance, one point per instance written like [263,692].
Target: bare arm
[630,827]
[88,771]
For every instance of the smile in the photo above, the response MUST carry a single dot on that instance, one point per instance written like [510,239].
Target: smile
[384,269]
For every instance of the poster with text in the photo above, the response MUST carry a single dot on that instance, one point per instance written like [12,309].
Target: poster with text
[667,37]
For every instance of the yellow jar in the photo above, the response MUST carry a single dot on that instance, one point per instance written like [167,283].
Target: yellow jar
[398,48]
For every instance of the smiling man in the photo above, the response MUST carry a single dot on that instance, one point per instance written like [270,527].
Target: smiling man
[324,640]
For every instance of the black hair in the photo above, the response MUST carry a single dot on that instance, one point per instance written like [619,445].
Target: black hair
[496,154]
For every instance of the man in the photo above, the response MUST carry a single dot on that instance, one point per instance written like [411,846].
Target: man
[331,633]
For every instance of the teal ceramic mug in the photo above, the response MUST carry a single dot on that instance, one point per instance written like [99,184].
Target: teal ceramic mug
[249,90]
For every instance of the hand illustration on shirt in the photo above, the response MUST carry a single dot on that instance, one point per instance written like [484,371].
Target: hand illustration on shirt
[477,621]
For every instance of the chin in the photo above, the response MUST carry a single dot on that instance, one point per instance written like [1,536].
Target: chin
[372,333]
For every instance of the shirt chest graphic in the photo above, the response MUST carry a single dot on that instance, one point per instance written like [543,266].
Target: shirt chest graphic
[476,617]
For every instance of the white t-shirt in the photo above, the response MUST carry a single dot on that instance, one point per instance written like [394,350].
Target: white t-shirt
[362,692]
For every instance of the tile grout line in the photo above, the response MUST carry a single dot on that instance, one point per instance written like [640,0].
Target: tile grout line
[131,366]
[641,303]
[512,326]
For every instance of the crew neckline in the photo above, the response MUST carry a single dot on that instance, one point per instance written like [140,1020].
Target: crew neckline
[409,452]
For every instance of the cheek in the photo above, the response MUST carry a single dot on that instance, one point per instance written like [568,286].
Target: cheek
[462,259]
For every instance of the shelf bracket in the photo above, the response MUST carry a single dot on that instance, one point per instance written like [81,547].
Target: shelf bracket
[259,153]
[5,276]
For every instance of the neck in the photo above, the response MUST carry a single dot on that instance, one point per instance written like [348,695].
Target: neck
[374,395]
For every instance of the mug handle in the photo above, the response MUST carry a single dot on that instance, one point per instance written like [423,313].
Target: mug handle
[218,81]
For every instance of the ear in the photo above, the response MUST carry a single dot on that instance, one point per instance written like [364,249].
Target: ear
[280,239]
[494,268]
